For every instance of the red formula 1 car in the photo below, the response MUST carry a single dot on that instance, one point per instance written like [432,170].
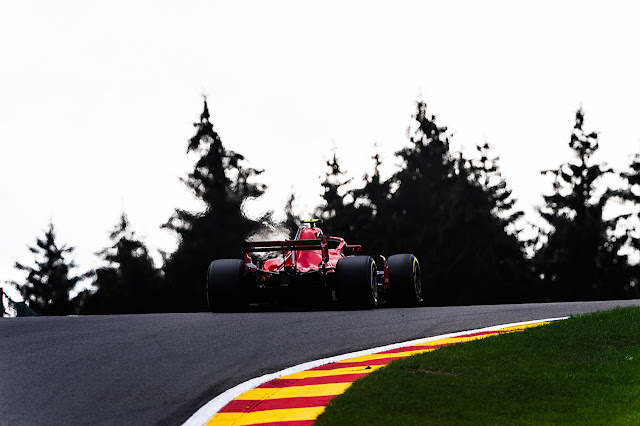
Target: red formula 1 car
[313,265]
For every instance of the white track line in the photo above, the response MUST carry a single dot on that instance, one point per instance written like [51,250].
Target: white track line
[207,411]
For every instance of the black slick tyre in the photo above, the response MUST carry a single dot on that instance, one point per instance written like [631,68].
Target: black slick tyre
[405,285]
[357,286]
[225,286]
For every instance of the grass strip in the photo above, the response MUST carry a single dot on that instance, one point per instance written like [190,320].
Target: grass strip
[583,370]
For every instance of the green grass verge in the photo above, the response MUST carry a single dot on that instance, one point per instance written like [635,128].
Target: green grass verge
[584,370]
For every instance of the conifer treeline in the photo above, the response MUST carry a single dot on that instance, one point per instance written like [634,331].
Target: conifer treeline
[456,214]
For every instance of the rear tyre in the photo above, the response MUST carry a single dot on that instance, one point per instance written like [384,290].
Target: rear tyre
[225,286]
[357,286]
[405,285]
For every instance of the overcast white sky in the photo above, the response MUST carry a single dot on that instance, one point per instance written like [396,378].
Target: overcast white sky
[97,99]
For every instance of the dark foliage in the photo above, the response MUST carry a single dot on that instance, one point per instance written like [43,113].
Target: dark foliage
[581,259]
[630,194]
[48,284]
[370,211]
[455,215]
[505,273]
[421,193]
[355,214]
[291,221]
[632,177]
[129,283]
[222,182]
[336,209]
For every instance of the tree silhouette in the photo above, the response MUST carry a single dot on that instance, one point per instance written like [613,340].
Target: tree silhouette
[375,192]
[356,214]
[454,214]
[632,177]
[222,182]
[48,284]
[630,193]
[291,221]
[580,259]
[129,283]
[485,172]
[335,210]
[488,230]
[420,200]
[371,212]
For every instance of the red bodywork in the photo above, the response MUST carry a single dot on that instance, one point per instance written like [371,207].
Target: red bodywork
[306,260]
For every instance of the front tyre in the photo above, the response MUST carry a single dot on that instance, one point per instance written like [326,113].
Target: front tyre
[357,286]
[225,286]
[405,285]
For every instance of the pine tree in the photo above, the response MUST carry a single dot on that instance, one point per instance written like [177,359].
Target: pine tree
[370,214]
[580,259]
[454,215]
[501,274]
[222,182]
[49,283]
[420,200]
[632,177]
[355,214]
[335,209]
[375,192]
[291,221]
[129,283]
[485,171]
[630,193]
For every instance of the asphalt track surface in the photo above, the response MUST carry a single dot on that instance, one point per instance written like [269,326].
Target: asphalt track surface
[160,368]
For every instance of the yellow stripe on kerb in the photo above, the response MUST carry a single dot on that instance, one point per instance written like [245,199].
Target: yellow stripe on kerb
[267,416]
[336,372]
[293,391]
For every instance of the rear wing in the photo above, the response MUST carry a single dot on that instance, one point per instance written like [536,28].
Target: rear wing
[321,244]
[286,245]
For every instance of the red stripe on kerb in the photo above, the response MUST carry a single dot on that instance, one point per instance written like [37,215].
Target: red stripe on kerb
[247,406]
[336,365]
[285,383]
